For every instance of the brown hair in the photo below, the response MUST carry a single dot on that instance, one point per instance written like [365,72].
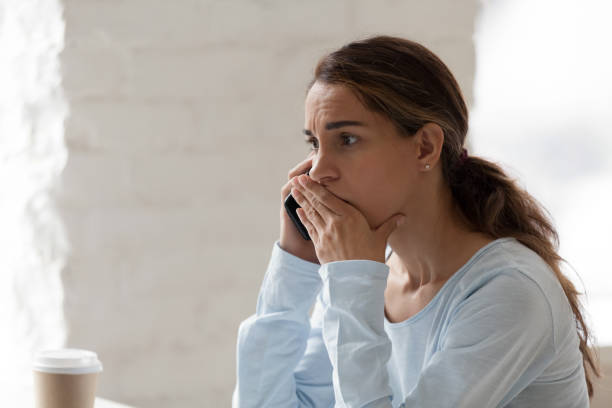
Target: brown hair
[411,86]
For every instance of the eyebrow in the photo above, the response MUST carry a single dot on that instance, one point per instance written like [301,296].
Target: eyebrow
[336,125]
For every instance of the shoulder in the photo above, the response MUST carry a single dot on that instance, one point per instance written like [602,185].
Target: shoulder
[508,264]
[513,281]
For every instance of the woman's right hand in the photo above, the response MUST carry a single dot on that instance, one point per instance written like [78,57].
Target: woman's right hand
[290,238]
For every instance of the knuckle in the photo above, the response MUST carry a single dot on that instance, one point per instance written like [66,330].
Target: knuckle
[333,226]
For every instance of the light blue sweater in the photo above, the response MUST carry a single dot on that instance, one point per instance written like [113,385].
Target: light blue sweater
[499,333]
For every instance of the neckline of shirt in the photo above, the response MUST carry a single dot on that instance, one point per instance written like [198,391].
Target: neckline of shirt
[453,278]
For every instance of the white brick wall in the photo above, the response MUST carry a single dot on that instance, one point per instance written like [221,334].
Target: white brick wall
[185,118]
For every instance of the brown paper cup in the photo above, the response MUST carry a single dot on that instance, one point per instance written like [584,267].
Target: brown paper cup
[66,378]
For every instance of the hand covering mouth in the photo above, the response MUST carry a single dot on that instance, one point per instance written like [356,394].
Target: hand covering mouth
[328,189]
[346,201]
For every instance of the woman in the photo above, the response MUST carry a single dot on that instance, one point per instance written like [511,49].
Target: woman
[470,309]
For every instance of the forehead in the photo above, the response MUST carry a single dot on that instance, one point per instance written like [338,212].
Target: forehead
[333,101]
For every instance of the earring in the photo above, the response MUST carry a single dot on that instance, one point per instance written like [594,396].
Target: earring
[427,166]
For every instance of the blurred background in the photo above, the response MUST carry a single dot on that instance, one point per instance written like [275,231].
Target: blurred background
[143,145]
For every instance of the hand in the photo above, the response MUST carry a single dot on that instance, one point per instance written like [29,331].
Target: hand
[290,238]
[338,230]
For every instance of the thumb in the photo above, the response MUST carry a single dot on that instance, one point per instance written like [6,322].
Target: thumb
[390,225]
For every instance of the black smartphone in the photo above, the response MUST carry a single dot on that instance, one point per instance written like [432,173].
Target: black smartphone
[291,207]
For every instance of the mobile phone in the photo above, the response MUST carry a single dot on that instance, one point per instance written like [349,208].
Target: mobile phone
[291,207]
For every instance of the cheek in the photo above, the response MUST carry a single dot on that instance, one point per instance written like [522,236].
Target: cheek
[384,193]
[383,182]
[377,200]
[380,188]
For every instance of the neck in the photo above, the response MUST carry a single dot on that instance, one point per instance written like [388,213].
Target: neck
[433,244]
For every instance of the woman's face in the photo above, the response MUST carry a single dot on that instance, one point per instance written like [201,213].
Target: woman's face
[359,155]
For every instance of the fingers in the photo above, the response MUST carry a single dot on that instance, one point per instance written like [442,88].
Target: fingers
[312,231]
[311,204]
[285,190]
[321,198]
[310,212]
[301,168]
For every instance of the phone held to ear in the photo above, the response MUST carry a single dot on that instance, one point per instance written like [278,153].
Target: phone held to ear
[291,207]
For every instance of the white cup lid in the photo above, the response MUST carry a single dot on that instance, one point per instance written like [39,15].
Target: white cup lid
[67,361]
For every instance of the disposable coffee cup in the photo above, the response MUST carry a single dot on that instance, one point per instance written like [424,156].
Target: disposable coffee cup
[65,378]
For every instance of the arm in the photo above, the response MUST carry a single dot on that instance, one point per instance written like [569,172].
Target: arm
[313,376]
[277,341]
[498,341]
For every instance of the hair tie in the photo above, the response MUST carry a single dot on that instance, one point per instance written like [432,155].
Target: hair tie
[463,157]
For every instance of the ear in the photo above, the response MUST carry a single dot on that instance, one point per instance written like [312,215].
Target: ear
[429,140]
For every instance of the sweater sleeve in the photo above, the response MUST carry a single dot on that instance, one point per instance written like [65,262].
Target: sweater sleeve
[353,330]
[280,359]
[499,339]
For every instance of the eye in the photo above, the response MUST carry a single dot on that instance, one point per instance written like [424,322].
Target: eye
[346,139]
[312,141]
[348,136]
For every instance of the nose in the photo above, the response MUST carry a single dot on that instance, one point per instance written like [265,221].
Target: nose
[323,169]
